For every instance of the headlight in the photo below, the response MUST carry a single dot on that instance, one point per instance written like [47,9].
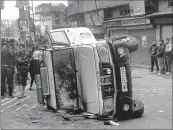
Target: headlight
[109,71]
[120,50]
[126,107]
[108,105]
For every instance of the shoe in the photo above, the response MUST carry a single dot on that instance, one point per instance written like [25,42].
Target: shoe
[30,88]
[11,96]
[2,96]
[20,96]
[151,70]
[159,74]
[167,73]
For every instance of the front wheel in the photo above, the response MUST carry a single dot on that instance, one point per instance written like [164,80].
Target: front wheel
[138,109]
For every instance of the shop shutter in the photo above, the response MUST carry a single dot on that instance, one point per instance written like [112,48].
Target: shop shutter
[167,31]
[119,32]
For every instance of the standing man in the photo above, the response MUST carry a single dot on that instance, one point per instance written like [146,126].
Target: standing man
[161,57]
[7,69]
[168,56]
[171,41]
[22,69]
[153,53]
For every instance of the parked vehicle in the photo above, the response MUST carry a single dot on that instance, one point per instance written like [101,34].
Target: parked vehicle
[78,72]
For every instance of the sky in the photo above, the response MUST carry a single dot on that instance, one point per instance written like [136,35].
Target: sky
[11,12]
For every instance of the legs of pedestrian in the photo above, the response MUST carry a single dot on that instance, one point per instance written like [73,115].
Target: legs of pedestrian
[32,80]
[152,63]
[10,82]
[168,65]
[156,63]
[21,91]
[162,66]
[3,79]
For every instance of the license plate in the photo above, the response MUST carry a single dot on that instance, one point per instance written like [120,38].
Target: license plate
[123,79]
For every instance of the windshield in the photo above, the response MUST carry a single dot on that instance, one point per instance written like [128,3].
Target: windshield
[59,37]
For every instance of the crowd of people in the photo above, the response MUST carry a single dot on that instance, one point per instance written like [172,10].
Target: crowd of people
[16,63]
[162,56]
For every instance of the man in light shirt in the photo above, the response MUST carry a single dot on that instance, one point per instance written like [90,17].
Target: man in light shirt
[168,56]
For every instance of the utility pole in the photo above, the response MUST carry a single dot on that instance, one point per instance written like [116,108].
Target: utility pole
[33,20]
[78,13]
[66,17]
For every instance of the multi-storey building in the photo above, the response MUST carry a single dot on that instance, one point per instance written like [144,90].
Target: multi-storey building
[136,18]
[50,16]
[163,19]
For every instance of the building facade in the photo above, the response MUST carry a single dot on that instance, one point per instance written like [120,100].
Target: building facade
[50,16]
[163,19]
[147,20]
[90,14]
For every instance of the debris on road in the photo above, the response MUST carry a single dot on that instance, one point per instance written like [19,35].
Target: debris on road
[111,123]
[35,121]
[161,111]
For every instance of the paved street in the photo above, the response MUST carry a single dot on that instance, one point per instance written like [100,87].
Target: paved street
[155,91]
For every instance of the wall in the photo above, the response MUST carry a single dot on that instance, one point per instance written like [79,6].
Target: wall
[62,22]
[116,11]
[111,3]
[141,56]
[163,4]
[89,5]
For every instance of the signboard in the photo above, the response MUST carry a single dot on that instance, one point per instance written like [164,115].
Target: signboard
[135,22]
[21,3]
[144,41]
[112,23]
[137,7]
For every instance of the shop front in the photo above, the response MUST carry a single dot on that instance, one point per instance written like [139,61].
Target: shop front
[141,28]
[164,22]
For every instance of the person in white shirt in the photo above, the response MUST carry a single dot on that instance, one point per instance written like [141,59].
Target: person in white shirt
[168,56]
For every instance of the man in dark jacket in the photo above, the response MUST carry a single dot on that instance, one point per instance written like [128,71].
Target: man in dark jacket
[153,52]
[7,69]
[161,56]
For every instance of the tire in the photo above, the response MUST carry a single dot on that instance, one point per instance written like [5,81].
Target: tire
[120,113]
[138,109]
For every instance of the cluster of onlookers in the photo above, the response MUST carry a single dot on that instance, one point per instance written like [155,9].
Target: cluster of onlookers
[16,62]
[162,56]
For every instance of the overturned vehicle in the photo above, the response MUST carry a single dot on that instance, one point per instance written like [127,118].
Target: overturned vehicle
[78,73]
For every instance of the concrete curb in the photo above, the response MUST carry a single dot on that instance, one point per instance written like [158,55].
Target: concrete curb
[140,66]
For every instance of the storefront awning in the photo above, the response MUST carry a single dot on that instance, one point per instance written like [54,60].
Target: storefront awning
[168,11]
[123,18]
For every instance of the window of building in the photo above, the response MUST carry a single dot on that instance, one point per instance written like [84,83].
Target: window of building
[124,12]
[170,3]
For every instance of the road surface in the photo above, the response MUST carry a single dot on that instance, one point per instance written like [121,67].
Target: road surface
[154,91]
